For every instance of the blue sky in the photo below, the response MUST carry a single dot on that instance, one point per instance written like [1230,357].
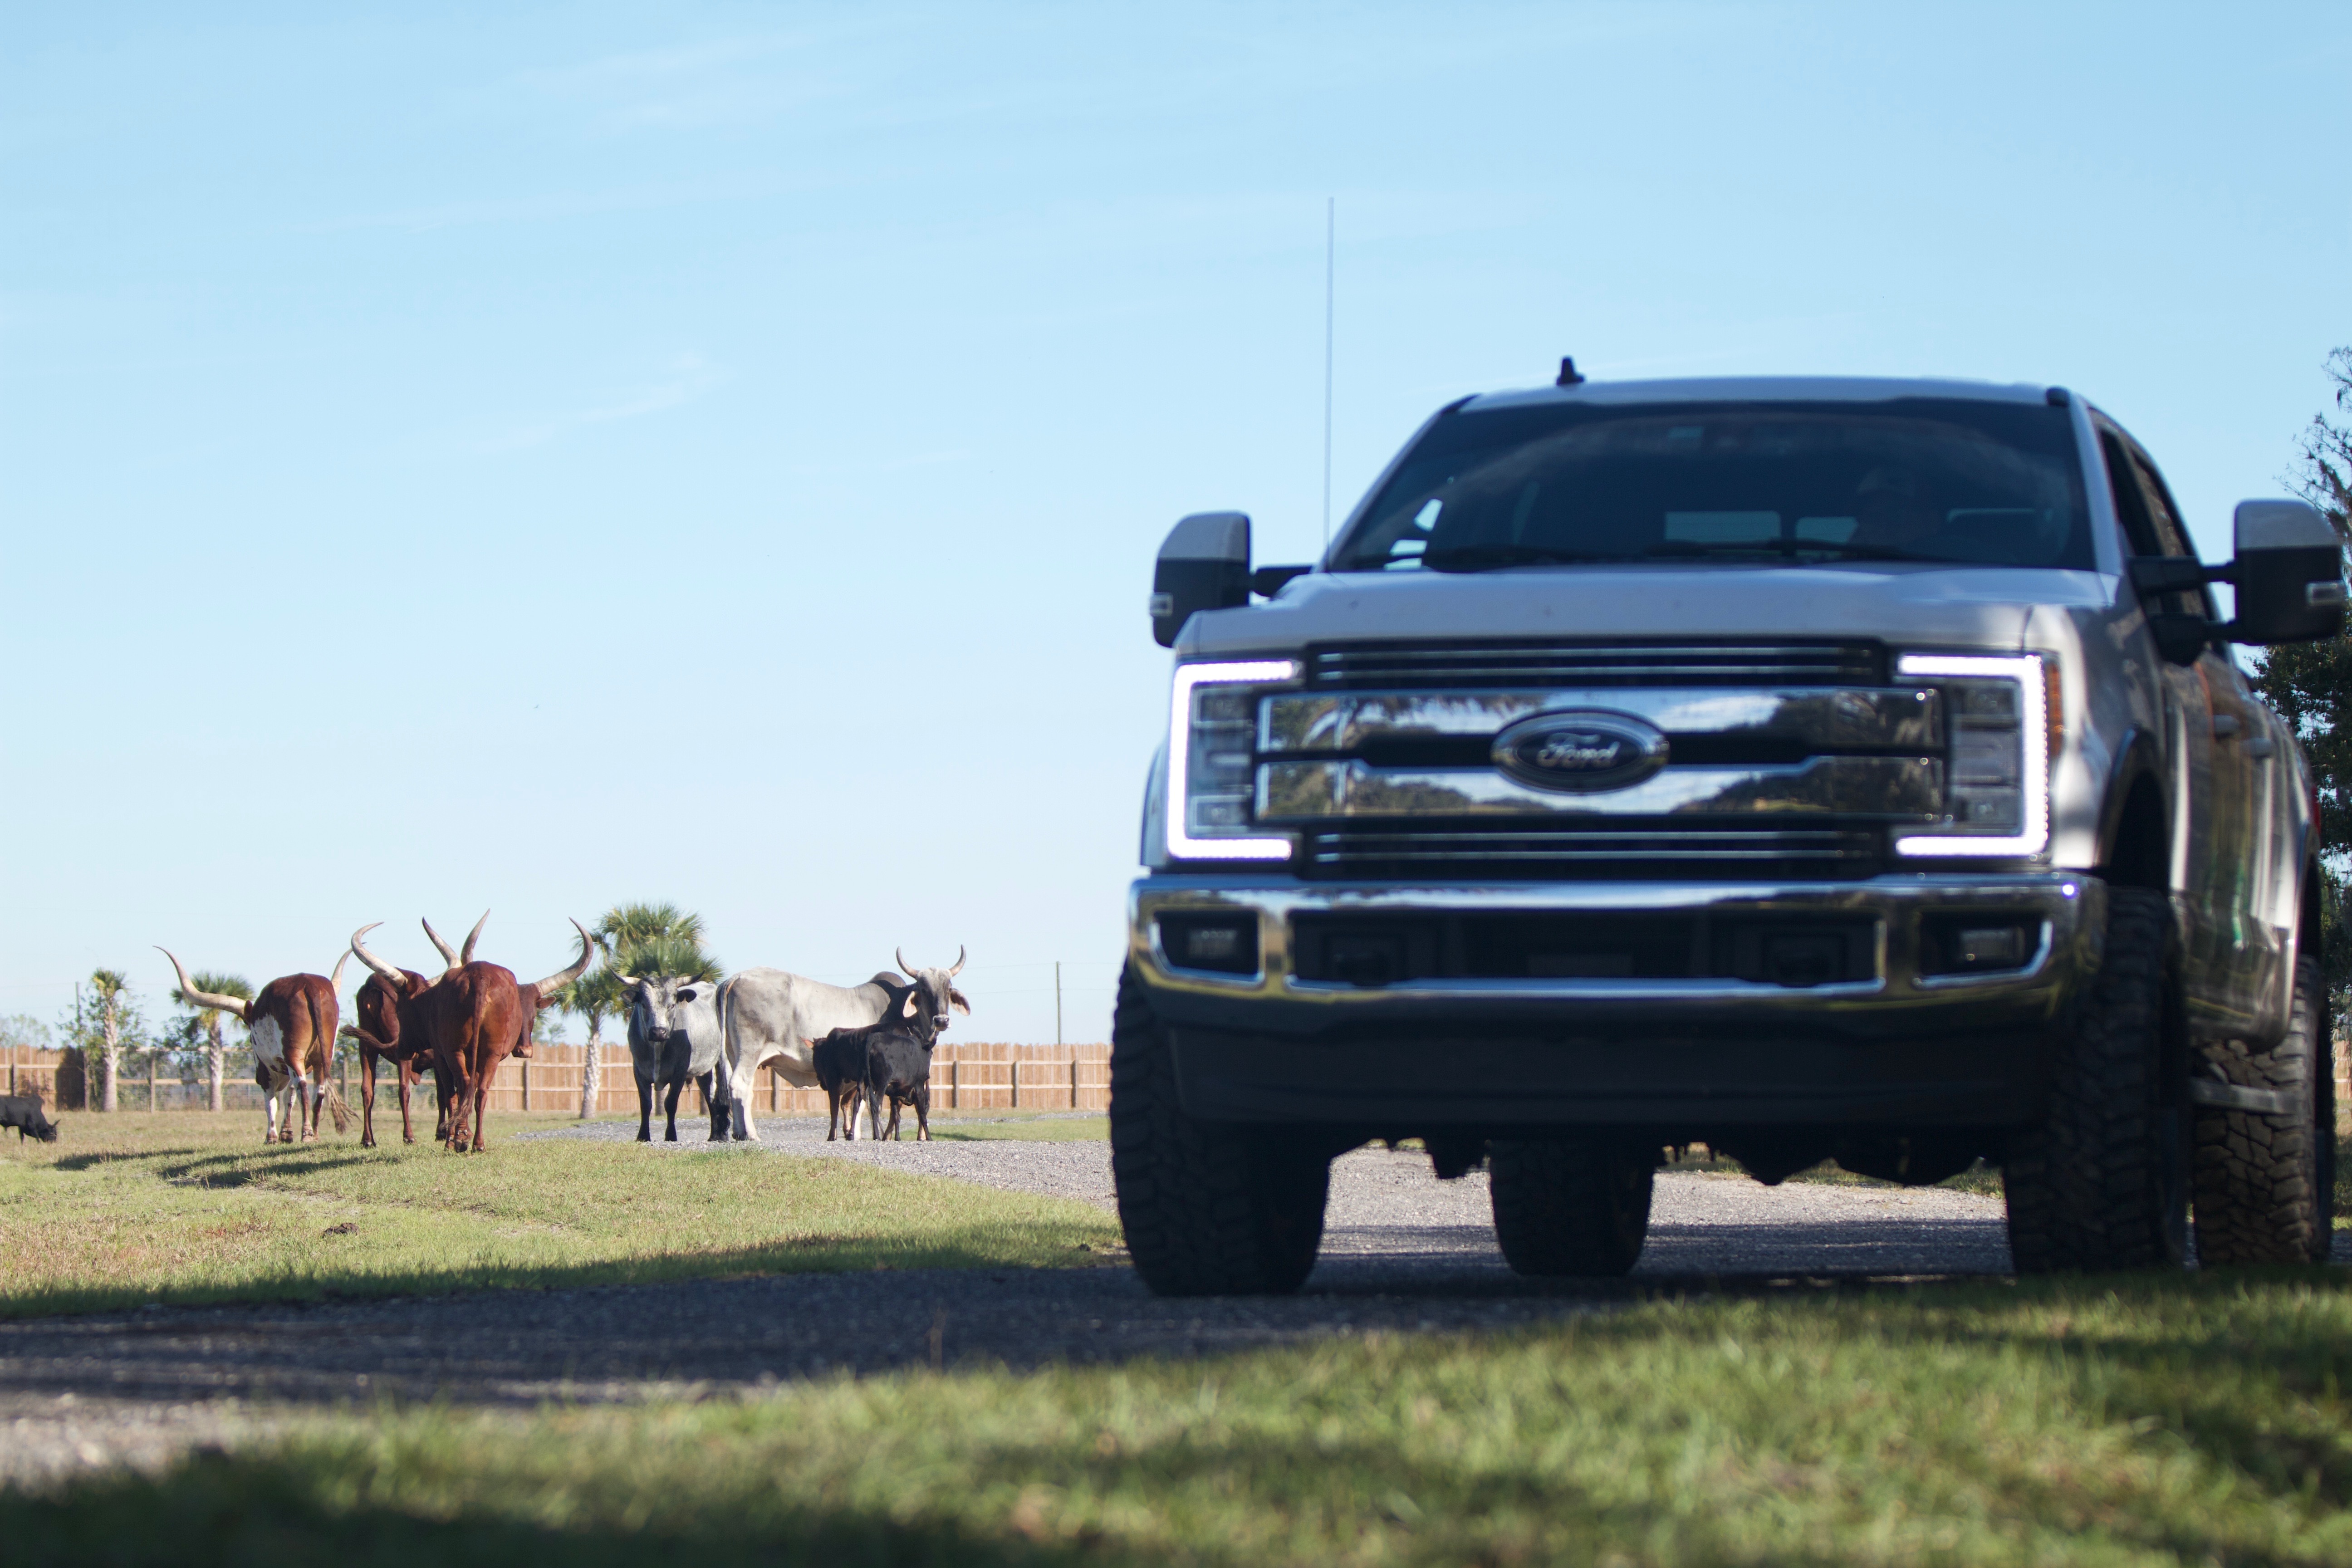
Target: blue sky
[529,457]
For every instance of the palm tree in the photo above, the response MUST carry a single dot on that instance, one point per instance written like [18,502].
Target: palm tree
[110,985]
[208,1021]
[596,996]
[625,926]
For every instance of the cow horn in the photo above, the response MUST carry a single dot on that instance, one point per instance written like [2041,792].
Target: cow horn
[465,954]
[563,977]
[900,954]
[449,959]
[360,952]
[335,980]
[202,998]
[958,969]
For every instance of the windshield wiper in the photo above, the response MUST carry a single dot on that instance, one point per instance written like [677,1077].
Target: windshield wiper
[1484,557]
[1783,547]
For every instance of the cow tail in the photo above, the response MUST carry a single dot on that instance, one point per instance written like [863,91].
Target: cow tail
[325,1017]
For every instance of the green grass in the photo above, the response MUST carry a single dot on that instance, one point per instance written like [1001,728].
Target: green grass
[190,1208]
[2126,1421]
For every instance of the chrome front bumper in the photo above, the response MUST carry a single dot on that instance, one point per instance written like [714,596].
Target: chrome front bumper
[1902,1047]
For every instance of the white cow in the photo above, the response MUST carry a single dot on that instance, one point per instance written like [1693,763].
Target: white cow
[769,1016]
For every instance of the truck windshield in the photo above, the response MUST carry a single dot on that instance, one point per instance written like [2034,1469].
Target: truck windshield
[1942,479]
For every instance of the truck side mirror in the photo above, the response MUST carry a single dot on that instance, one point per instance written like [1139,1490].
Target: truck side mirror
[2289,574]
[1203,565]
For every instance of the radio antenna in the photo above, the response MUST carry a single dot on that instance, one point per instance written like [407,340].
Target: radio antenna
[1330,254]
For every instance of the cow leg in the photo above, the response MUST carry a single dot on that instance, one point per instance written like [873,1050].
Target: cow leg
[708,1084]
[645,1110]
[739,1111]
[482,1113]
[306,1108]
[724,1123]
[403,1078]
[669,1108]
[268,1115]
[873,1100]
[923,1112]
[832,1112]
[367,1098]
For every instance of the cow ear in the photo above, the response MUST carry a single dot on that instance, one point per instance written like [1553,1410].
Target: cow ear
[809,1043]
[686,996]
[956,997]
[907,1008]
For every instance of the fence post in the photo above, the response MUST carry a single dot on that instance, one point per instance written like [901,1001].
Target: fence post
[955,1083]
[1016,1080]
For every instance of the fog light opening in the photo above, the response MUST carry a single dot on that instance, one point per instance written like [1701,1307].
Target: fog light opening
[1223,943]
[1977,944]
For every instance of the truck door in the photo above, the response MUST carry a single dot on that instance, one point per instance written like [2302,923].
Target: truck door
[2211,721]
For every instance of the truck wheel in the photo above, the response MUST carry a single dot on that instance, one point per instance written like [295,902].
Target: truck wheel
[1209,1210]
[2265,1184]
[2102,1181]
[1570,1206]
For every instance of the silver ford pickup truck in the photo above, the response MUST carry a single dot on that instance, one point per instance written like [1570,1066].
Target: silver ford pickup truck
[1814,769]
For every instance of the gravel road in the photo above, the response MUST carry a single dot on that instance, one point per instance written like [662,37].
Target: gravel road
[1403,1252]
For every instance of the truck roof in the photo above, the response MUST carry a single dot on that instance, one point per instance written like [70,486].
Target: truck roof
[1762,389]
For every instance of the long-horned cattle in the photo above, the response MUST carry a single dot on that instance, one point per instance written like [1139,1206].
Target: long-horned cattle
[770,1016]
[674,1034]
[394,1027]
[293,1022]
[474,1016]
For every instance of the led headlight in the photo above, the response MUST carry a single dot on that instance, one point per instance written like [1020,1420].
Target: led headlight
[1211,739]
[1997,713]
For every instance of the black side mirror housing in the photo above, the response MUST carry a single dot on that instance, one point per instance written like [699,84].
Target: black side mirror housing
[2289,574]
[1205,565]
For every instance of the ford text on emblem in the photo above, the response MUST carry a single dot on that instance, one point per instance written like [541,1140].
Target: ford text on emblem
[1580,749]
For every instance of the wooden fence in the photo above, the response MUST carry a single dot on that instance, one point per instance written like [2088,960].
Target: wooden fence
[965,1076]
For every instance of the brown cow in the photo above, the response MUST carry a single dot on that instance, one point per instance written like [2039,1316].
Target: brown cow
[393,1028]
[476,1014]
[293,1022]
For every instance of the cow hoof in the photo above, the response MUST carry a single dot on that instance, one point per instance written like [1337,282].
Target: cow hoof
[286,1137]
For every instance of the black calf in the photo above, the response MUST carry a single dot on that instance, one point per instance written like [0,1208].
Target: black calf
[22,1113]
[898,1064]
[839,1060]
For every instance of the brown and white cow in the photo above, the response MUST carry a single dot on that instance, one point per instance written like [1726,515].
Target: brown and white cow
[293,1022]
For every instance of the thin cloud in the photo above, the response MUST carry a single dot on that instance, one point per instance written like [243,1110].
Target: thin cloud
[690,376]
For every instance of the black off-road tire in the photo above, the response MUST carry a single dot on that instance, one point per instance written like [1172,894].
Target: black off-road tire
[1570,1206]
[2265,1184]
[2101,1183]
[1209,1210]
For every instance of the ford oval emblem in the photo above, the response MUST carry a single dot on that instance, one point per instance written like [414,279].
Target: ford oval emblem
[1584,750]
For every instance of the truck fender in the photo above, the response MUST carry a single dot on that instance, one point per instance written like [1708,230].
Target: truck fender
[2136,759]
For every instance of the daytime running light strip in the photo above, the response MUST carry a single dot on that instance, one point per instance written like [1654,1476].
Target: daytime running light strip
[2034,716]
[1180,760]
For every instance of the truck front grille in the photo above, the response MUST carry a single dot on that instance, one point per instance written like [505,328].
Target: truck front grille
[1525,663]
[1621,850]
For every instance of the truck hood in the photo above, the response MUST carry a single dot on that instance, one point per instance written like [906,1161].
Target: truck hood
[1957,606]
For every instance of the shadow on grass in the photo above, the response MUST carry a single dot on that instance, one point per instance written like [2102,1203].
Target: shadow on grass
[270,1512]
[1007,1246]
